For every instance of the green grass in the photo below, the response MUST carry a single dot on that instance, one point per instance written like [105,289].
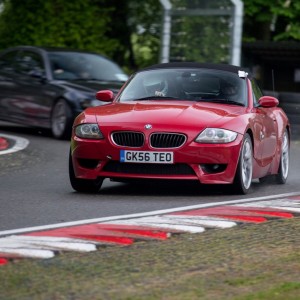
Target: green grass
[246,262]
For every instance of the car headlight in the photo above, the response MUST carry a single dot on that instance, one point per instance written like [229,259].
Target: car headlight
[216,136]
[89,131]
[85,103]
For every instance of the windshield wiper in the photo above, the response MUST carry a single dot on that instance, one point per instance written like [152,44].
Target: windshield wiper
[155,98]
[97,79]
[226,101]
[87,79]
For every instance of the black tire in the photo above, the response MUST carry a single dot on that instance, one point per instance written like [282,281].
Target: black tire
[243,175]
[268,179]
[283,169]
[83,185]
[263,179]
[61,120]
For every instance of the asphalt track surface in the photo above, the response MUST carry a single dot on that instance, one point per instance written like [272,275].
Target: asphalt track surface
[35,195]
[88,235]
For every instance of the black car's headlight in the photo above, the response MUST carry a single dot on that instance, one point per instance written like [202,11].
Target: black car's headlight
[89,131]
[216,136]
[85,103]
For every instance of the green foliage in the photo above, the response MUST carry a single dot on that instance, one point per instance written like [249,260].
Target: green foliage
[289,11]
[195,39]
[125,31]
[60,23]
[144,21]
[271,20]
[259,10]
[129,31]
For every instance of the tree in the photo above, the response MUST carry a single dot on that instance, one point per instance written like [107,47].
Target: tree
[55,23]
[136,26]
[271,20]
[126,31]
[144,20]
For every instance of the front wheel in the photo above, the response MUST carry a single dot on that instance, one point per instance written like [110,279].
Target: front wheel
[61,120]
[283,169]
[83,185]
[243,177]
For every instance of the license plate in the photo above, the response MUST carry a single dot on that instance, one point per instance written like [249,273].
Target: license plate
[151,157]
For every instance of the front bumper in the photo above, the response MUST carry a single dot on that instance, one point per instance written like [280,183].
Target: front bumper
[207,163]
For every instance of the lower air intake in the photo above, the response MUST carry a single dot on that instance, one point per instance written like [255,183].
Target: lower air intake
[151,169]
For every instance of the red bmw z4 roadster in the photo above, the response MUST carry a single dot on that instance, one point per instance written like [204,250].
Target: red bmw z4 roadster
[182,121]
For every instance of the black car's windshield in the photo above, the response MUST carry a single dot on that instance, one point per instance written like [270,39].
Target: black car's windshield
[186,84]
[84,66]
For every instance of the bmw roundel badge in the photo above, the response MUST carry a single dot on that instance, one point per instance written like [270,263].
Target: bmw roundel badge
[148,126]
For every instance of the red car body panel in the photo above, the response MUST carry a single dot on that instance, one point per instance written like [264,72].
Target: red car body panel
[265,125]
[178,118]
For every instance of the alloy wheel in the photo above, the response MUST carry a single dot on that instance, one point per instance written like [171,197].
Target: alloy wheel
[247,163]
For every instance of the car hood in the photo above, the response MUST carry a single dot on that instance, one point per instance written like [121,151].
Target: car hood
[91,86]
[182,114]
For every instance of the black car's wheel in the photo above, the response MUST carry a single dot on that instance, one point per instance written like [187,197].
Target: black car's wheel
[61,120]
[83,185]
[283,169]
[243,176]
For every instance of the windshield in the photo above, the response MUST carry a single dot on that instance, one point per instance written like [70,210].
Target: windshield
[85,66]
[186,84]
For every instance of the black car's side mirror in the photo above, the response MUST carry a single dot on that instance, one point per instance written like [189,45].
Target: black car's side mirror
[37,73]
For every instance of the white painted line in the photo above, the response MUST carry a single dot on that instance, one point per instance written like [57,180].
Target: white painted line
[163,220]
[7,243]
[284,204]
[179,220]
[163,223]
[28,252]
[20,143]
[158,212]
[52,239]
[281,202]
[205,221]
[50,244]
[292,209]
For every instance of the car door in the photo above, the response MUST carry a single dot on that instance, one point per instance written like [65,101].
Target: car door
[266,128]
[32,98]
[7,84]
[29,99]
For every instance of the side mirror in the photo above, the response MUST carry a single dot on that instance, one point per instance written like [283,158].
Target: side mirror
[105,96]
[37,73]
[268,101]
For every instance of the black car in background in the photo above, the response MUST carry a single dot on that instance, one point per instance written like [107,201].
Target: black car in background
[49,87]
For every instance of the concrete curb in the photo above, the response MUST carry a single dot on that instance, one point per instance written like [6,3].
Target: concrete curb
[4,144]
[159,225]
[11,143]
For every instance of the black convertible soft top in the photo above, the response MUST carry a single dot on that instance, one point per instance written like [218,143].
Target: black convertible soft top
[221,67]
